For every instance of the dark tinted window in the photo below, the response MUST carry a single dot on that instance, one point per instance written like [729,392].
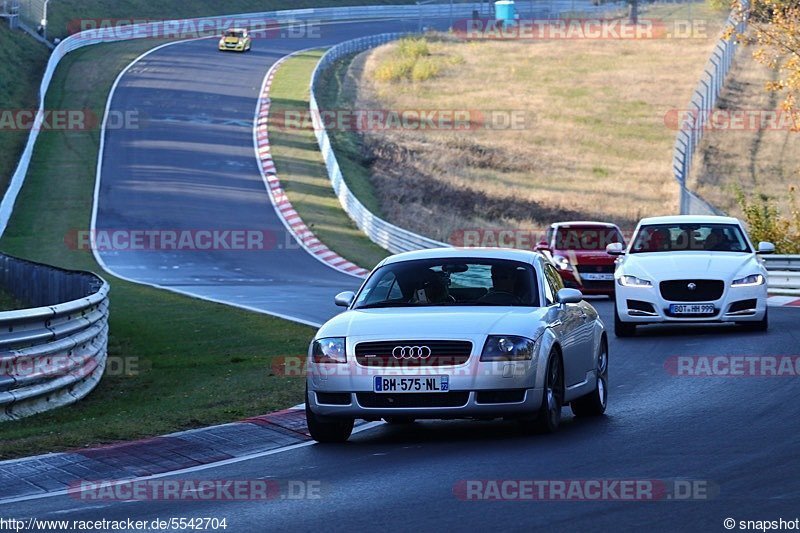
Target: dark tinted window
[442,282]
[690,237]
[586,238]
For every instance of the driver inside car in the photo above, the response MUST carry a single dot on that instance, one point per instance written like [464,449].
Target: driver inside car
[503,286]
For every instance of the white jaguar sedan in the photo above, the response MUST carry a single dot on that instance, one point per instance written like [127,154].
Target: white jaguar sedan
[457,333]
[687,269]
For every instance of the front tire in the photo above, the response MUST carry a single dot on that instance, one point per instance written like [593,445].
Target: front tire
[761,325]
[622,329]
[326,429]
[594,403]
[549,416]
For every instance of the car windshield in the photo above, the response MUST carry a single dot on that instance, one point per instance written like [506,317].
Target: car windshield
[690,237]
[586,237]
[234,33]
[450,282]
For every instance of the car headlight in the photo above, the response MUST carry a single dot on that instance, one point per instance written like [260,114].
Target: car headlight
[562,263]
[508,348]
[329,350]
[633,281]
[748,281]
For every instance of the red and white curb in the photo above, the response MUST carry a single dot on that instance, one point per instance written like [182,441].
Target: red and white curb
[783,301]
[286,212]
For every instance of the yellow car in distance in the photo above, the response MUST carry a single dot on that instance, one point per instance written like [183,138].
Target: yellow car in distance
[235,40]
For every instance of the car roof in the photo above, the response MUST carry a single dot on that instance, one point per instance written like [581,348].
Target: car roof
[689,219]
[584,223]
[511,254]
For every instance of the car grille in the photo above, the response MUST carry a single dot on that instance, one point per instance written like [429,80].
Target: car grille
[423,399]
[705,290]
[442,353]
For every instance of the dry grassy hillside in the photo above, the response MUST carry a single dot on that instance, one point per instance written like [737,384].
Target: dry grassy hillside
[594,142]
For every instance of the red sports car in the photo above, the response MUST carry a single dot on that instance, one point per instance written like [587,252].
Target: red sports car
[578,249]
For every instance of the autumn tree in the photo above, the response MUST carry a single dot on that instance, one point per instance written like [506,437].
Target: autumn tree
[774,31]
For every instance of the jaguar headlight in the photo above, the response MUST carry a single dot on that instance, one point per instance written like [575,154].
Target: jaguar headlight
[329,350]
[508,348]
[752,280]
[633,281]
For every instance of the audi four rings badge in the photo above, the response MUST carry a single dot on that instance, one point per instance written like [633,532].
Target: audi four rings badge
[411,352]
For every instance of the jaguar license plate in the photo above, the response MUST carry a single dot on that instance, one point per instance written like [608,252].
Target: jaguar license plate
[691,309]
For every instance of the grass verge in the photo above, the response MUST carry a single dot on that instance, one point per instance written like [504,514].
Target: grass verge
[22,61]
[742,152]
[560,127]
[194,363]
[302,170]
[336,92]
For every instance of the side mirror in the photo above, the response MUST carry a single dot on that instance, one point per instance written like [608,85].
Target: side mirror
[765,248]
[615,248]
[569,296]
[542,247]
[345,299]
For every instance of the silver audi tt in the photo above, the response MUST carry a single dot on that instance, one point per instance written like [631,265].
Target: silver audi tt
[457,333]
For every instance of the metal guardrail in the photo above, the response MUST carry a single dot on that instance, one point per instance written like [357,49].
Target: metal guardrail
[784,273]
[704,100]
[782,262]
[140,31]
[54,353]
[381,232]
[9,8]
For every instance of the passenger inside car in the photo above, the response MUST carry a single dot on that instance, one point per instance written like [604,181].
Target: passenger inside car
[433,289]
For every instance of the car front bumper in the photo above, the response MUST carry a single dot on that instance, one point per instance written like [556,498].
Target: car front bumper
[629,302]
[531,400]
[587,287]
[476,389]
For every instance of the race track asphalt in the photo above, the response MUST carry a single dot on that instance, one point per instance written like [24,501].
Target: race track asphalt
[736,437]
[190,166]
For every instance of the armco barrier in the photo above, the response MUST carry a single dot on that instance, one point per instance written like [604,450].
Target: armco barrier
[54,353]
[108,35]
[784,273]
[381,232]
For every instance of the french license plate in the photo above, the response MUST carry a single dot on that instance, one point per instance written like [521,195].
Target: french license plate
[691,309]
[395,384]
[598,277]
